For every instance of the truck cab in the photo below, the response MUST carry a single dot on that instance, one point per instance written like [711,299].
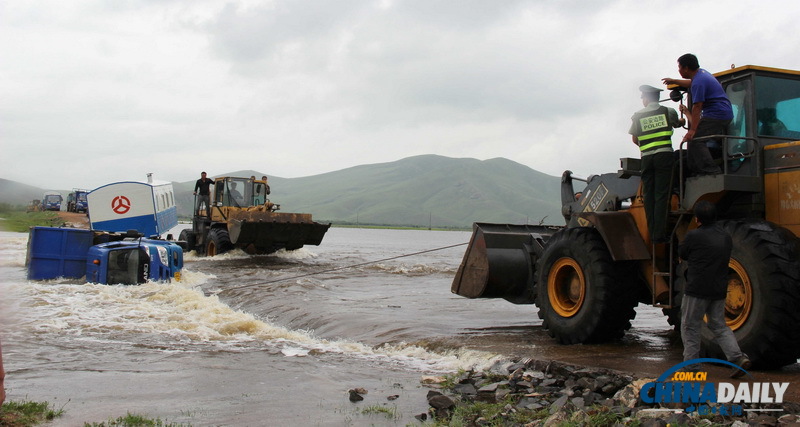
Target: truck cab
[52,202]
[133,261]
[76,201]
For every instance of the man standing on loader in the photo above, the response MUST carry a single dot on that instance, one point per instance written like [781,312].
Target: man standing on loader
[710,115]
[203,185]
[651,131]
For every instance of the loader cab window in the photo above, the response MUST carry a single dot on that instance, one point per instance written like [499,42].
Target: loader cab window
[778,107]
[236,192]
[738,94]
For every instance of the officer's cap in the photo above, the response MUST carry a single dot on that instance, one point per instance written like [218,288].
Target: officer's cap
[649,89]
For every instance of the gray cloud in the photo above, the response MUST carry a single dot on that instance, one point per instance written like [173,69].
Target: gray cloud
[295,88]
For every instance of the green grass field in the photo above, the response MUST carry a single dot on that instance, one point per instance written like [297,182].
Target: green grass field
[14,218]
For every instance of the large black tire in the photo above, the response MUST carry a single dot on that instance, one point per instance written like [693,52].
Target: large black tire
[581,296]
[218,242]
[189,237]
[763,294]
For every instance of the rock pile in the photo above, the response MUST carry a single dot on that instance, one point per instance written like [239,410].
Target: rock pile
[548,393]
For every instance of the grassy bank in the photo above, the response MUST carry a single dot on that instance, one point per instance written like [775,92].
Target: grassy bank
[14,218]
[24,414]
[28,414]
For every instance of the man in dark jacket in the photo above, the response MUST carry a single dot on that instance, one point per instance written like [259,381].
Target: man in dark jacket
[707,249]
[202,185]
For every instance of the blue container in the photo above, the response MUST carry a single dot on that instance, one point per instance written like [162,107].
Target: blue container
[57,252]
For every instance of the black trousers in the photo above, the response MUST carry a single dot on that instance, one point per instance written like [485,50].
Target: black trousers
[656,188]
[701,162]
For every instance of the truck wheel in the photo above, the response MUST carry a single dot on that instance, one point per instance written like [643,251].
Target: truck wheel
[581,297]
[188,237]
[763,294]
[218,242]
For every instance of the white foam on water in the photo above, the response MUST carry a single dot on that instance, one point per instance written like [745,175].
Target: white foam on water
[411,269]
[297,254]
[233,254]
[10,253]
[181,314]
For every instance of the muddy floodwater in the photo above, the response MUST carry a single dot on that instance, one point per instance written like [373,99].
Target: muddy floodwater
[279,339]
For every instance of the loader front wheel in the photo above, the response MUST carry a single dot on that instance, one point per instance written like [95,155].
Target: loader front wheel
[581,296]
[188,236]
[218,242]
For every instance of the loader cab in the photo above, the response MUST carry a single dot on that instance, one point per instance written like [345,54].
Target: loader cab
[766,103]
[766,115]
[766,110]
[233,192]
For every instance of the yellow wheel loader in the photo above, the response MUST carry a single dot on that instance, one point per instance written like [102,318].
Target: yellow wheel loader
[587,276]
[241,216]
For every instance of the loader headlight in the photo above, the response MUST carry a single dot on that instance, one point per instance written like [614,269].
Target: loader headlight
[162,255]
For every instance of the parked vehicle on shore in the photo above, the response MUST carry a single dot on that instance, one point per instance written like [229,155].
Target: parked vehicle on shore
[51,201]
[77,202]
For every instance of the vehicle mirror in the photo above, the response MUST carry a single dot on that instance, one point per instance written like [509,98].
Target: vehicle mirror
[676,95]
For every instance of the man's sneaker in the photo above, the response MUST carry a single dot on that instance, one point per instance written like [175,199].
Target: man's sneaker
[744,364]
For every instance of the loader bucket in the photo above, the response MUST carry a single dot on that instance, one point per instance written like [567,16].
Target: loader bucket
[499,261]
[281,231]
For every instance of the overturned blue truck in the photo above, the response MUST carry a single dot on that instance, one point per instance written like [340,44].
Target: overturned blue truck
[123,246]
[102,257]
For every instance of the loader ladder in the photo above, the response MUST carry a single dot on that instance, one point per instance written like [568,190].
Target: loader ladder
[669,275]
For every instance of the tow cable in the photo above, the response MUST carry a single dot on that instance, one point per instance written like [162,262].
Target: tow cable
[339,268]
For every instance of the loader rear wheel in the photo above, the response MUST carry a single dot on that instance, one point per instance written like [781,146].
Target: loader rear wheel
[581,296]
[763,294]
[218,242]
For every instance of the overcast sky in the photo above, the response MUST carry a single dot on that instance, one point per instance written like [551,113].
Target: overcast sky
[100,91]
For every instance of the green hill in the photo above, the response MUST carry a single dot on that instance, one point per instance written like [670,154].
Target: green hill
[425,189]
[417,191]
[17,194]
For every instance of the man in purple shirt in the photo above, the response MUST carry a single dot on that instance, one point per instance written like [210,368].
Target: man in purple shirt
[710,115]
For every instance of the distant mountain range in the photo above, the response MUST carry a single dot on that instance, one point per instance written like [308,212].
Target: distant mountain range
[427,190]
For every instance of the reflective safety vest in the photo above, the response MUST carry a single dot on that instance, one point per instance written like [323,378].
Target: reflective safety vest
[654,129]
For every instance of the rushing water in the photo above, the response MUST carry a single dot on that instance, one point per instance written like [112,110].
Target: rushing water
[272,340]
[245,339]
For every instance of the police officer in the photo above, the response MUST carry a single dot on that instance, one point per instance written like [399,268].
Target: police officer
[651,131]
